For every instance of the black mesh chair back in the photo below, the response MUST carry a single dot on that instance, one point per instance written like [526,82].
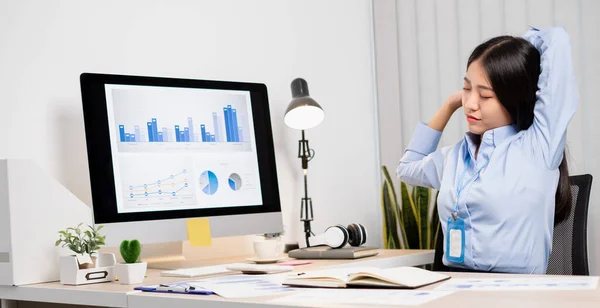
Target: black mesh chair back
[569,241]
[438,264]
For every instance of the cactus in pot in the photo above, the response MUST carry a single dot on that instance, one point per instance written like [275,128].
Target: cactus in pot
[132,271]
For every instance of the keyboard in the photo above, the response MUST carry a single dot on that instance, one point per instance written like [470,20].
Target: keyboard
[197,271]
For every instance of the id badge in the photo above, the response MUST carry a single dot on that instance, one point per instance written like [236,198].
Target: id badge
[455,241]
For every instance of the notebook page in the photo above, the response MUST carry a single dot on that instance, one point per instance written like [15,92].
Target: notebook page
[341,274]
[409,276]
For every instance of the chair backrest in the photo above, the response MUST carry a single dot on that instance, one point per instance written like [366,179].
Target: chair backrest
[569,241]
[438,264]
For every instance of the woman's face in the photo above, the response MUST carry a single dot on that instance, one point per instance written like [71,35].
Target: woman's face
[482,108]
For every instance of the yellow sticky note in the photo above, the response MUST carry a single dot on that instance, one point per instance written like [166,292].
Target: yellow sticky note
[198,230]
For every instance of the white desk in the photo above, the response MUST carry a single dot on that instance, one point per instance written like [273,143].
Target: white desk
[462,299]
[114,294]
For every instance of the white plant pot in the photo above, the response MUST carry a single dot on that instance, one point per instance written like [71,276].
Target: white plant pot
[71,274]
[131,273]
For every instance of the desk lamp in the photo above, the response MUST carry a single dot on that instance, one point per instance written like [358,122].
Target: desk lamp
[302,113]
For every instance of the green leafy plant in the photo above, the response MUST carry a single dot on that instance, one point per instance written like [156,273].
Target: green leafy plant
[407,225]
[81,241]
[272,235]
[131,250]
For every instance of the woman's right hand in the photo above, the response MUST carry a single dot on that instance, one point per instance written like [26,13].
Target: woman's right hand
[454,101]
[442,116]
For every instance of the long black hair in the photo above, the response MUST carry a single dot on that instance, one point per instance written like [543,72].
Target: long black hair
[513,68]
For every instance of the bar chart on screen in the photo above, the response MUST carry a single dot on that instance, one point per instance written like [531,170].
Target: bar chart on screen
[181,121]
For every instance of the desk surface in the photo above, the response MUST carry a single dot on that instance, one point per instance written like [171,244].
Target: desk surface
[114,294]
[463,299]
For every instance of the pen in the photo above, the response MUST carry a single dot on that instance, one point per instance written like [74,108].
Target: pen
[168,288]
[299,274]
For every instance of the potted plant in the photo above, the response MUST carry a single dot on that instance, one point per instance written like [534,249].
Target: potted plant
[412,223]
[84,243]
[132,271]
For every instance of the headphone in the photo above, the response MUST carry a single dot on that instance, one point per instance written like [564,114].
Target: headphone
[338,236]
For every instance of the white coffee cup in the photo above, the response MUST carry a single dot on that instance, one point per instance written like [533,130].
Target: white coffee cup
[268,249]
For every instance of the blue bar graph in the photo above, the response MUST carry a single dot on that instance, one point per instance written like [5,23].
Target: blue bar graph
[150,132]
[154,130]
[226,115]
[122,132]
[230,126]
[203,133]
[236,129]
[234,125]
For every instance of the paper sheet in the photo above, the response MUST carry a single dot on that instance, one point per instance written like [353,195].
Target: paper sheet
[198,230]
[361,297]
[237,286]
[506,284]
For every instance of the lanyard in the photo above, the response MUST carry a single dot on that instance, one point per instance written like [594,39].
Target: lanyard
[461,184]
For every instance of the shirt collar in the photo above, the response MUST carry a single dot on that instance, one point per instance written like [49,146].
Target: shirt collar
[493,136]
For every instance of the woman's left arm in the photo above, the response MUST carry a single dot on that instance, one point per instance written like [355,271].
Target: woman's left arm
[557,97]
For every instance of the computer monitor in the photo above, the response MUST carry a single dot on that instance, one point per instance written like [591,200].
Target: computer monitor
[165,150]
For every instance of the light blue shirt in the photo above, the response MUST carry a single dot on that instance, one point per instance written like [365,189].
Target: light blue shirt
[508,209]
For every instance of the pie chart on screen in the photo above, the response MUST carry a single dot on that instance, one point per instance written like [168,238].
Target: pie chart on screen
[209,182]
[235,181]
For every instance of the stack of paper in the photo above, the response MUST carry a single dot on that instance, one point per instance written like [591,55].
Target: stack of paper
[508,284]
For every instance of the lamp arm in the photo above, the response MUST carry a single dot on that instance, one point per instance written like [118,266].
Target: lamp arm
[306,209]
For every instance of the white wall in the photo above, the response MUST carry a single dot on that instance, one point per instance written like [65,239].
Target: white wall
[45,45]
[422,47]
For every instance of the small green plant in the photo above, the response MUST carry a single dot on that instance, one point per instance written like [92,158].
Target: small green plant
[407,225]
[273,235]
[131,250]
[81,241]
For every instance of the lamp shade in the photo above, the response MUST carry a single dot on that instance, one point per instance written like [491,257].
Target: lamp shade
[303,112]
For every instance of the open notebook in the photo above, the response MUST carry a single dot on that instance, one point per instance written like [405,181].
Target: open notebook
[398,277]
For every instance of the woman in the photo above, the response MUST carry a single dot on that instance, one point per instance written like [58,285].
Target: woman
[505,184]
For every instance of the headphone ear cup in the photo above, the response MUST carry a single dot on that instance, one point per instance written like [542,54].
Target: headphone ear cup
[344,240]
[355,235]
[364,234]
[337,236]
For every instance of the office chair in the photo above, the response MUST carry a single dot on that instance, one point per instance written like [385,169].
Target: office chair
[438,265]
[569,240]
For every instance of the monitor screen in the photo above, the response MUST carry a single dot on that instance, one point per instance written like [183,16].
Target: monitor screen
[164,148]
[182,148]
